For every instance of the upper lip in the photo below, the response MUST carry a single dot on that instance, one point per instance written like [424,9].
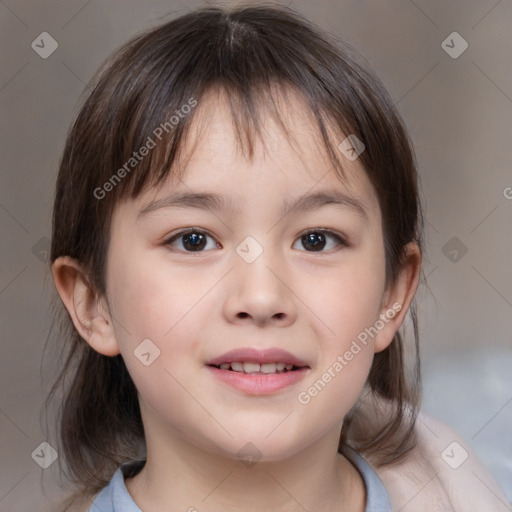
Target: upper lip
[254,355]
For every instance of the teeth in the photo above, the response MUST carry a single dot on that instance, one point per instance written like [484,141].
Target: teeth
[251,367]
[248,367]
[269,368]
[237,367]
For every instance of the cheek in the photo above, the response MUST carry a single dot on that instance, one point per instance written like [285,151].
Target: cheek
[154,300]
[349,304]
[151,298]
[159,340]
[344,363]
[347,300]
[335,387]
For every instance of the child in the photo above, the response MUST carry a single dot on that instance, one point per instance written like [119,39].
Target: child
[237,240]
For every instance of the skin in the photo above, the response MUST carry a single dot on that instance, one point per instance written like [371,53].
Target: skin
[190,305]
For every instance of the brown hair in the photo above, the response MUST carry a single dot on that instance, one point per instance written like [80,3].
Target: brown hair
[244,51]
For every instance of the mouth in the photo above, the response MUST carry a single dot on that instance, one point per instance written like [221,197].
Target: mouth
[253,368]
[257,372]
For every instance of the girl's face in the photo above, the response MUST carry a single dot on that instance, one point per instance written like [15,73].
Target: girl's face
[248,278]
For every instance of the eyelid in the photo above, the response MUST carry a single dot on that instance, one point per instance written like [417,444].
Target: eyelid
[186,231]
[332,232]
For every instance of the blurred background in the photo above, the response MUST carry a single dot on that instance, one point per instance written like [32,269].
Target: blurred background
[447,66]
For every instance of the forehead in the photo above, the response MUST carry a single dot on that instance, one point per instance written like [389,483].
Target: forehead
[289,158]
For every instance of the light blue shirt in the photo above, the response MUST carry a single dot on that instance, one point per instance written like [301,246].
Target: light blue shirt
[116,498]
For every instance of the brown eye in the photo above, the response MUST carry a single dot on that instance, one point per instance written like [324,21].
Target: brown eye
[192,240]
[316,240]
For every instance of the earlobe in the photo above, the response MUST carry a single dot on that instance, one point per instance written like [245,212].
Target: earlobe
[398,297]
[87,310]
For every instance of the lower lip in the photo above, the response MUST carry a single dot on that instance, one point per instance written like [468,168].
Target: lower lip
[258,384]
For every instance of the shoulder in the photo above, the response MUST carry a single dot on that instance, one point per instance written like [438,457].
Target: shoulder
[441,474]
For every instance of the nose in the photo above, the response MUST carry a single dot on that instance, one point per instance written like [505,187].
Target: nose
[260,293]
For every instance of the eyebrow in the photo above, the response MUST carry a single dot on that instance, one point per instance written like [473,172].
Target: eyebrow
[216,202]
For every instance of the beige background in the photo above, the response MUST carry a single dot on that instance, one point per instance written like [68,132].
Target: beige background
[459,112]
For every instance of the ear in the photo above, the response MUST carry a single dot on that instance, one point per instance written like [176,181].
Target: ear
[88,311]
[398,297]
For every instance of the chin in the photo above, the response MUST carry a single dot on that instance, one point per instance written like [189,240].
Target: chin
[256,446]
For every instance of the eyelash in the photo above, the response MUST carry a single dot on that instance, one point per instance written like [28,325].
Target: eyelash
[336,236]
